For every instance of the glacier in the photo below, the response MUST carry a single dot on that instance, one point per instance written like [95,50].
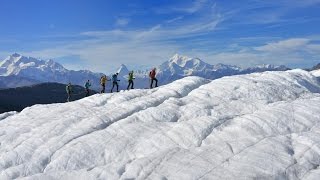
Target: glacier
[255,126]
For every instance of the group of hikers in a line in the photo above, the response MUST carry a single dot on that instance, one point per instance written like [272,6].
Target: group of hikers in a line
[115,80]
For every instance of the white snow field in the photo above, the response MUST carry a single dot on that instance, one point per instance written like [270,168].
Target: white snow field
[316,73]
[257,126]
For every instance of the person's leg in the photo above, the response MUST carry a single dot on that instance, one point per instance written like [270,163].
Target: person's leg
[129,84]
[104,87]
[112,86]
[117,87]
[156,81]
[151,83]
[87,92]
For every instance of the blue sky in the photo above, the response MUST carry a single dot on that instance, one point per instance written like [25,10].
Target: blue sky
[100,35]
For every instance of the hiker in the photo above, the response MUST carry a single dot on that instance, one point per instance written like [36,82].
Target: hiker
[152,75]
[69,91]
[115,81]
[103,81]
[87,86]
[130,80]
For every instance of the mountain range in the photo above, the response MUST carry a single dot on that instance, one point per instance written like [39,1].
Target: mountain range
[181,66]
[17,70]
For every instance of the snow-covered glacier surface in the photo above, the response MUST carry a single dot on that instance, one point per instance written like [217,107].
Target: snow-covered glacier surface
[257,126]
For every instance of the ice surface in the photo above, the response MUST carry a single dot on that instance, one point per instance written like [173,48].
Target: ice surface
[316,73]
[257,126]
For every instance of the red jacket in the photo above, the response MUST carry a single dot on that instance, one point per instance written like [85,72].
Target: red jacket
[152,73]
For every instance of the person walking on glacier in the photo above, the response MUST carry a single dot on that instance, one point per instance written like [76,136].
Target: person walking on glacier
[103,81]
[130,80]
[115,81]
[87,86]
[69,91]
[152,75]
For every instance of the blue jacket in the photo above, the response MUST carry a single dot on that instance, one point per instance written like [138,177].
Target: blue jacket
[87,85]
[114,78]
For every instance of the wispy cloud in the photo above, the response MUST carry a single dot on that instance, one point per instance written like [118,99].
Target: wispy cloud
[122,21]
[285,46]
[187,7]
[271,12]
[295,51]
[313,48]
[293,3]
[194,7]
[174,19]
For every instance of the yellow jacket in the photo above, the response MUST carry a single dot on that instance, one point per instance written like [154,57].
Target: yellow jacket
[103,79]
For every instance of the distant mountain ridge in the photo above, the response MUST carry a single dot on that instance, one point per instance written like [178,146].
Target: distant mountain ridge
[16,81]
[17,70]
[180,66]
[18,67]
[316,67]
[28,67]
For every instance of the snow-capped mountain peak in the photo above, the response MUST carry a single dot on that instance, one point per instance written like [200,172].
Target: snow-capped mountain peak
[265,66]
[17,64]
[221,66]
[44,71]
[15,57]
[10,59]
[179,59]
[179,66]
[185,61]
[54,66]
[123,70]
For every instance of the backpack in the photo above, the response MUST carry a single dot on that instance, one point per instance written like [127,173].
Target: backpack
[152,74]
[87,85]
[68,88]
[103,80]
[114,78]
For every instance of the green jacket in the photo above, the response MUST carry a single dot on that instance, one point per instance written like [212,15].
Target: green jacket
[131,76]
